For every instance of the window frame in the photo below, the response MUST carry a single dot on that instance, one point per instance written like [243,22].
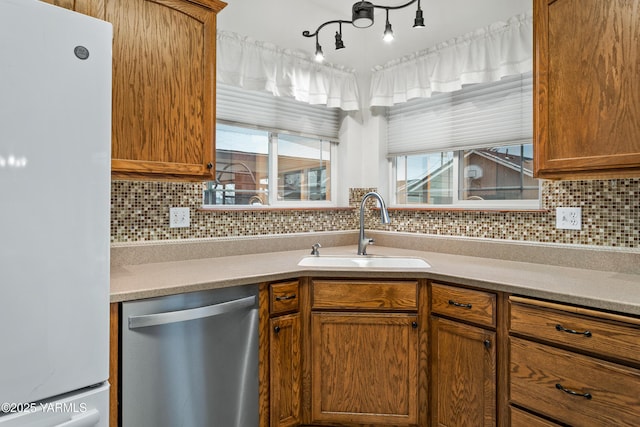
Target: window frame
[457,203]
[272,172]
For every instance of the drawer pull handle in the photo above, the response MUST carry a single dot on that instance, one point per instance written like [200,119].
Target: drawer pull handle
[276,329]
[458,304]
[574,393]
[571,331]
[286,297]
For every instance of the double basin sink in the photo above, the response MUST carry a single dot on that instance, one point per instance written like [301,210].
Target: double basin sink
[363,261]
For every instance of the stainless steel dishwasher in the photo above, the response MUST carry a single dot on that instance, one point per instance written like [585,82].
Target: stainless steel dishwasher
[191,360]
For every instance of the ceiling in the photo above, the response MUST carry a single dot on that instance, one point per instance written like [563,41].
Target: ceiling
[282,22]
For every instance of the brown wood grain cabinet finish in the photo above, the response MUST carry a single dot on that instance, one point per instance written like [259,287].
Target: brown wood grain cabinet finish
[465,304]
[586,88]
[284,297]
[573,388]
[114,364]
[520,418]
[585,332]
[286,371]
[463,374]
[369,295]
[365,368]
[163,86]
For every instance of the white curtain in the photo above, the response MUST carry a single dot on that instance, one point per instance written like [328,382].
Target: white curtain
[484,55]
[251,64]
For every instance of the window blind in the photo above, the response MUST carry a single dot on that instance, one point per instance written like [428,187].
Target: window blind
[264,110]
[478,115]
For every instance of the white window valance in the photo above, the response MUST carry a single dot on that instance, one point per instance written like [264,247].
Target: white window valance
[250,64]
[482,56]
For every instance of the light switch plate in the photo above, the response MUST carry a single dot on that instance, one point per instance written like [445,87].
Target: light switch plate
[179,217]
[569,218]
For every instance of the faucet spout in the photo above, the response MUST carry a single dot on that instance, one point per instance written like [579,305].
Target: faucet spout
[384,219]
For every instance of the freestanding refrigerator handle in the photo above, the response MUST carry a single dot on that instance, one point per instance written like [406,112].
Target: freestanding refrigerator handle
[146,320]
[88,419]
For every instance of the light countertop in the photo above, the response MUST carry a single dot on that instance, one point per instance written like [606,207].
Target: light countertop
[608,290]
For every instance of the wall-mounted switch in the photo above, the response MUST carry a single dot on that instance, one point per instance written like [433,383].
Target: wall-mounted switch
[178,217]
[569,218]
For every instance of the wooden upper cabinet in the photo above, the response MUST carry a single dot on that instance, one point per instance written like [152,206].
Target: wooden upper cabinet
[587,88]
[164,62]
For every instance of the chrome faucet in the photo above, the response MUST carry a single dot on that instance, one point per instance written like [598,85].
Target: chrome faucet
[315,249]
[384,218]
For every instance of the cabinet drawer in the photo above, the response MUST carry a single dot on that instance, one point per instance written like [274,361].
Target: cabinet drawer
[284,297]
[604,337]
[367,295]
[464,304]
[573,388]
[520,418]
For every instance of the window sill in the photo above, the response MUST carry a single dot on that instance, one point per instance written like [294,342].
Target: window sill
[259,208]
[487,209]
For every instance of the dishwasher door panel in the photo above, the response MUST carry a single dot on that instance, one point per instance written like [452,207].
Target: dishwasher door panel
[191,360]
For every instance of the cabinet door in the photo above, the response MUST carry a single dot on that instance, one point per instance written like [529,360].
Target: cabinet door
[67,4]
[88,7]
[364,368]
[463,372]
[587,92]
[163,87]
[286,371]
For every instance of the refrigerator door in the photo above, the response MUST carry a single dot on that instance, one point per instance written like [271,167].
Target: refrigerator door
[55,124]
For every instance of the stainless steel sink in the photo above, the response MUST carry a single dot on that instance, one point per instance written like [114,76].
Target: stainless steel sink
[363,262]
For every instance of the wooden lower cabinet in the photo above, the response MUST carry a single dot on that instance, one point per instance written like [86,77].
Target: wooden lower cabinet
[572,388]
[573,365]
[280,355]
[463,374]
[364,368]
[286,371]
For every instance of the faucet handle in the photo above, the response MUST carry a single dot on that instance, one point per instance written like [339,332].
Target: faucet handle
[315,249]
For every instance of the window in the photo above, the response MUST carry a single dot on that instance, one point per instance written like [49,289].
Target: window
[261,167]
[469,148]
[481,177]
[304,169]
[272,151]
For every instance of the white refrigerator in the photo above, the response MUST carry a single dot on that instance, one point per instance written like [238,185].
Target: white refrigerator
[55,150]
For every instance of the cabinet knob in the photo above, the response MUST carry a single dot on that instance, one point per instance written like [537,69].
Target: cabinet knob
[209,165]
[487,344]
[276,329]
[414,325]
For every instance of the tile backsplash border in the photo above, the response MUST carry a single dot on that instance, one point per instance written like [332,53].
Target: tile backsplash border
[610,216]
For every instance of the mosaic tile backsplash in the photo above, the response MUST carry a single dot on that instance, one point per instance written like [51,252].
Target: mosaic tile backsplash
[610,216]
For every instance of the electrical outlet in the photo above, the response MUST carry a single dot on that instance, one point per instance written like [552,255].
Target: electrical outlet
[569,218]
[178,217]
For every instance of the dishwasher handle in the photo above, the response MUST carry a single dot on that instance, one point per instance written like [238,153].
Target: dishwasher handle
[168,317]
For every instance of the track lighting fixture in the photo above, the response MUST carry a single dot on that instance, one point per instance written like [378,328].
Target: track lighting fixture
[319,54]
[339,43]
[388,32]
[362,17]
